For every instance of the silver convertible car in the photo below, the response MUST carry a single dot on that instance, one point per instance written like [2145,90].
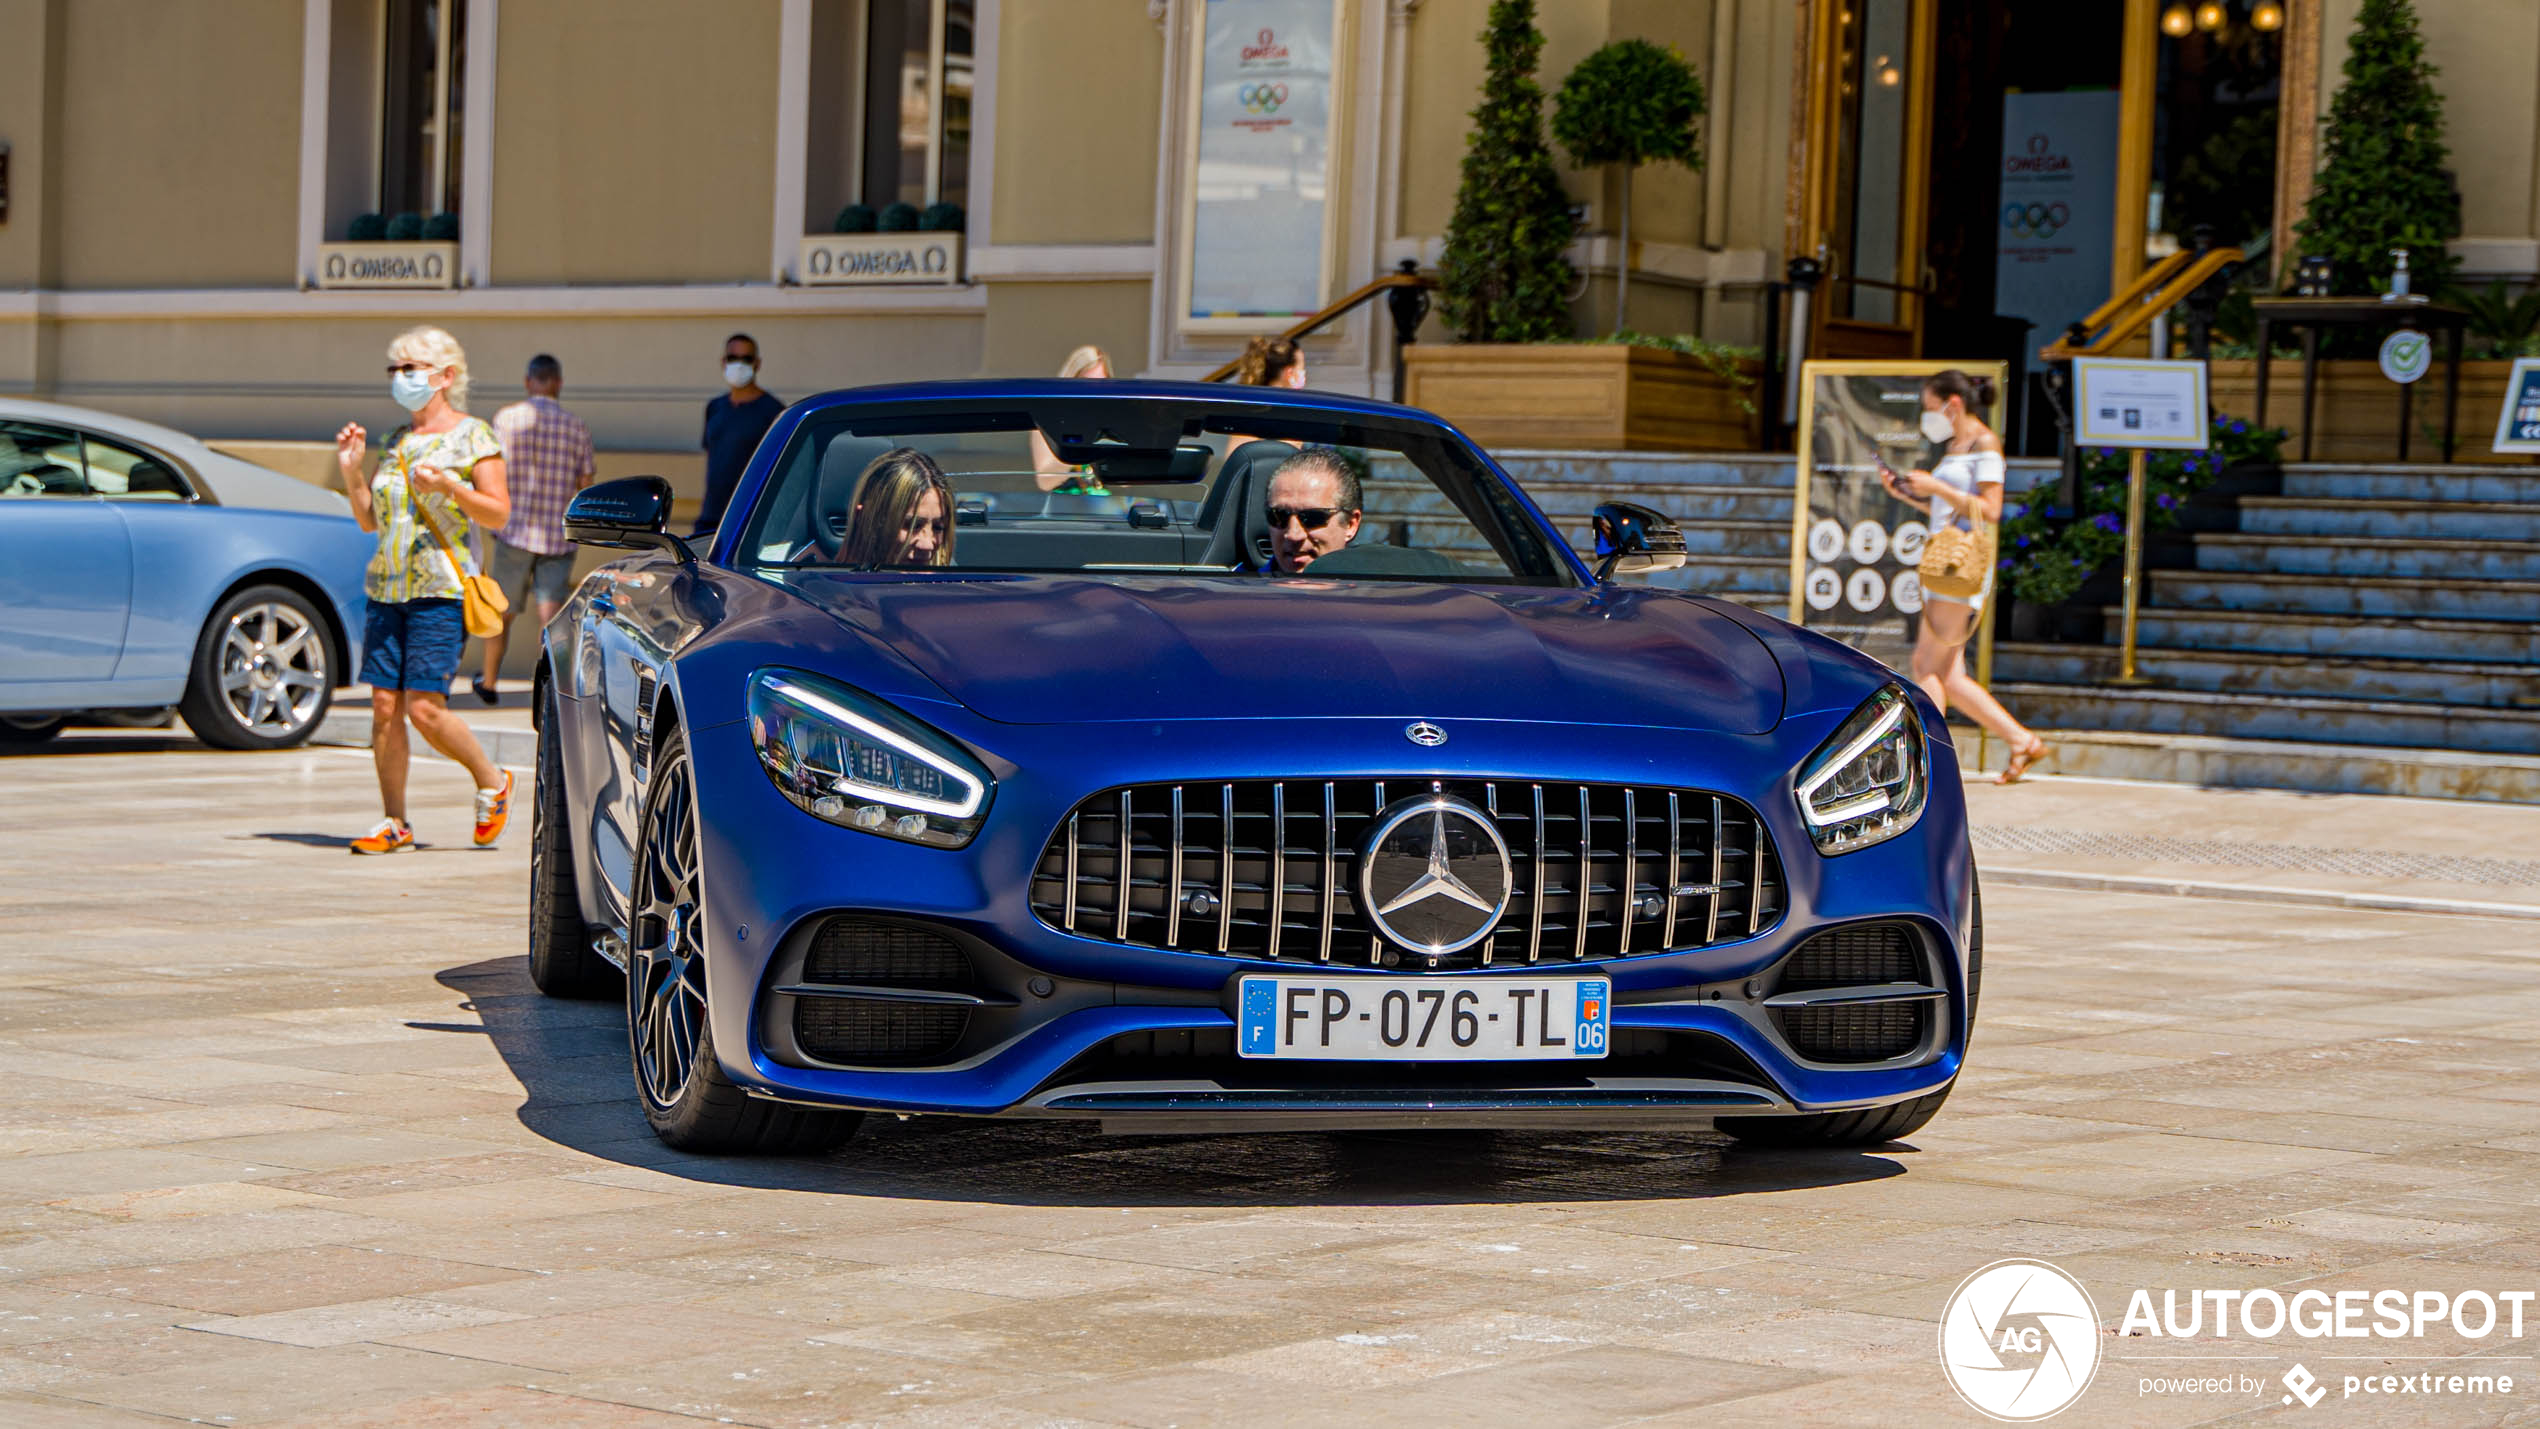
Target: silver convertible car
[140,569]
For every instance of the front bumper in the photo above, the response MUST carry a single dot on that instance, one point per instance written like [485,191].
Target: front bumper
[1068,1026]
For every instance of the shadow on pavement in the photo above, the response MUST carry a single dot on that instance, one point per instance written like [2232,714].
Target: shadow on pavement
[571,1057]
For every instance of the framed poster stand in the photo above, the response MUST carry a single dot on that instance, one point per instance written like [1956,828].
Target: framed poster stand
[1855,549]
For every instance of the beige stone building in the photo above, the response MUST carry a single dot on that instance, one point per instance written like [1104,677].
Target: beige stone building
[624,182]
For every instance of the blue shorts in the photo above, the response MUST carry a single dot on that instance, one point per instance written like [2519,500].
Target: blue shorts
[413,646]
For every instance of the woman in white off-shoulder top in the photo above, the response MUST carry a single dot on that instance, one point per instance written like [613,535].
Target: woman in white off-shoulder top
[1963,488]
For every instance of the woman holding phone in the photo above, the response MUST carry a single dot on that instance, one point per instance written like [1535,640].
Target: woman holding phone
[1962,489]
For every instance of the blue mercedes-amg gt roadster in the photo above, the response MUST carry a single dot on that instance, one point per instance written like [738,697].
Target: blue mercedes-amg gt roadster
[1194,758]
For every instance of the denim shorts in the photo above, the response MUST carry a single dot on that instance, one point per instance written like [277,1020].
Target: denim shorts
[413,645]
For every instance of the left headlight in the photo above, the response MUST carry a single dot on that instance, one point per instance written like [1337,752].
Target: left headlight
[1866,784]
[844,756]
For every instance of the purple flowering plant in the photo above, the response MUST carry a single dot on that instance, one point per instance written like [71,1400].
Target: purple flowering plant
[2053,551]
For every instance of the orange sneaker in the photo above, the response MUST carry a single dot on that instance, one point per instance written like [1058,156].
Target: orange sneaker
[493,810]
[392,836]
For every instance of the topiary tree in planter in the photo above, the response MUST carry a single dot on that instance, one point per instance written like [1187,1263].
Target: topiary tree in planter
[1503,277]
[442,228]
[855,218]
[898,218]
[1630,103]
[940,218]
[366,228]
[2382,183]
[405,228]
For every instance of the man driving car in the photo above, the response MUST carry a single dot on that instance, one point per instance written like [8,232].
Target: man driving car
[1314,509]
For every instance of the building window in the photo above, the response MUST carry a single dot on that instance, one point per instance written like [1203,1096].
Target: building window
[917,69]
[422,109]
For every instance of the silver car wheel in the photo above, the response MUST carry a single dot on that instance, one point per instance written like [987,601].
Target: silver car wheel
[665,984]
[273,674]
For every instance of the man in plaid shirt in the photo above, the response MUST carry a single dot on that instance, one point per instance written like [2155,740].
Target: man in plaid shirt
[547,452]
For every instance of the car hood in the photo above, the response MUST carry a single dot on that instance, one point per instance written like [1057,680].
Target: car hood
[1067,649]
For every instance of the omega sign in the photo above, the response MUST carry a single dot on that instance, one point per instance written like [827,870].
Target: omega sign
[387,265]
[849,259]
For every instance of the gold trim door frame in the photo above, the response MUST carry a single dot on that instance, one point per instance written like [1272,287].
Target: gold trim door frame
[1854,52]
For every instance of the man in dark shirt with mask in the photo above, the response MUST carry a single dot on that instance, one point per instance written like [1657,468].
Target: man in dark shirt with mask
[734,423]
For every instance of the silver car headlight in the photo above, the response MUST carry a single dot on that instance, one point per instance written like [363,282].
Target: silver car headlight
[844,756]
[1867,783]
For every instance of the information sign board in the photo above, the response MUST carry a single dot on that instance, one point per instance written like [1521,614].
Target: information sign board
[2137,402]
[2518,425]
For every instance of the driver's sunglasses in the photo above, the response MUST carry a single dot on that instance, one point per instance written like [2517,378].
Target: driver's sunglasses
[1313,518]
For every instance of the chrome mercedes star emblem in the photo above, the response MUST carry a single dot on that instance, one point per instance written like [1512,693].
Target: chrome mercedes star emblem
[1425,735]
[1435,874]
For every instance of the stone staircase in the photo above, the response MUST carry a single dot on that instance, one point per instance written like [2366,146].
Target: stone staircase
[2367,629]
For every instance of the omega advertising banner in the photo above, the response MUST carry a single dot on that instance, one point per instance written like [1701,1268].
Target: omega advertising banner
[2057,218]
[1854,547]
[1259,190]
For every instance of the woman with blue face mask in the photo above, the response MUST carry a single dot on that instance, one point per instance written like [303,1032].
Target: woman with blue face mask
[440,477]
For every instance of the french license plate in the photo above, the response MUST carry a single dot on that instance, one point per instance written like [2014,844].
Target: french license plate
[1388,1019]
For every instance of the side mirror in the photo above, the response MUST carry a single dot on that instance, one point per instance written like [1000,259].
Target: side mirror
[1635,540]
[631,513]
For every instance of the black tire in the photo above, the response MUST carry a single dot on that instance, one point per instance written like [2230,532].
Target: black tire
[1874,1125]
[561,961]
[679,1081]
[263,673]
[29,731]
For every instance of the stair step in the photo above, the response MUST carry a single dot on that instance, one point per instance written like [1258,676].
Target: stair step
[2441,682]
[2338,636]
[2369,556]
[1535,470]
[2297,718]
[2418,596]
[2413,483]
[2342,516]
[2221,762]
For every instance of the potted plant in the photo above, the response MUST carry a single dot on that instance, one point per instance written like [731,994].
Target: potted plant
[1519,377]
[1630,103]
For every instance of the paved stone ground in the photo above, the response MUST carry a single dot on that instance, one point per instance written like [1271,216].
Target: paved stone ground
[291,1140]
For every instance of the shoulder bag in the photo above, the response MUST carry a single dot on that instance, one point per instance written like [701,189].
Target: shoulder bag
[481,600]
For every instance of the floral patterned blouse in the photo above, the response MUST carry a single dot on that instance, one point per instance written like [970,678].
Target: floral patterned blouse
[410,564]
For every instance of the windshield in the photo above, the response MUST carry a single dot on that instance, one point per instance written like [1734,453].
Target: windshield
[1193,488]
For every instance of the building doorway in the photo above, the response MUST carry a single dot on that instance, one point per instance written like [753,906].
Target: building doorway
[1977,174]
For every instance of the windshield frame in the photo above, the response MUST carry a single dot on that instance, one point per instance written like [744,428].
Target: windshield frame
[1506,517]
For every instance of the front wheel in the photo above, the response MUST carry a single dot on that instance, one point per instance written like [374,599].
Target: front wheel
[690,1103]
[264,672]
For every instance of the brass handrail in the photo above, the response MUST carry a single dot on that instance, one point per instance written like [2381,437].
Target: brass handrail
[1308,325]
[2158,289]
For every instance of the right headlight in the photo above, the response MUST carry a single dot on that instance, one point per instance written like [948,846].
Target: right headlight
[1866,784]
[844,756]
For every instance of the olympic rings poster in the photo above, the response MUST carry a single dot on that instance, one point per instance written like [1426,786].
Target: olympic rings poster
[2054,213]
[1260,206]
[1855,549]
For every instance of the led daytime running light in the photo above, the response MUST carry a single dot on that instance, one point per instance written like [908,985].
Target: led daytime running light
[974,793]
[1869,803]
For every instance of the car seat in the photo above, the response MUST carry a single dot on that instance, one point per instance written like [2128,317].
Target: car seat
[1236,514]
[834,492]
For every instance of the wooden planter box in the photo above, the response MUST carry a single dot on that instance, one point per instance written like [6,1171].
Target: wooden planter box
[836,260]
[1579,396]
[388,265]
[2358,409]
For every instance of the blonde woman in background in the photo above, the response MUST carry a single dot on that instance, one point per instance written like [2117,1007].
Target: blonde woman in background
[439,478]
[1051,473]
[903,514]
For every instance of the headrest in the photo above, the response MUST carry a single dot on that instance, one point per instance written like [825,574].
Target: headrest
[833,495]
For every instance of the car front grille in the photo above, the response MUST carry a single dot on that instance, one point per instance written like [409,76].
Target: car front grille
[1595,870]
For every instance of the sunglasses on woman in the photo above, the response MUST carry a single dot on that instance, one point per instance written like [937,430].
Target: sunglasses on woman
[1312,518]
